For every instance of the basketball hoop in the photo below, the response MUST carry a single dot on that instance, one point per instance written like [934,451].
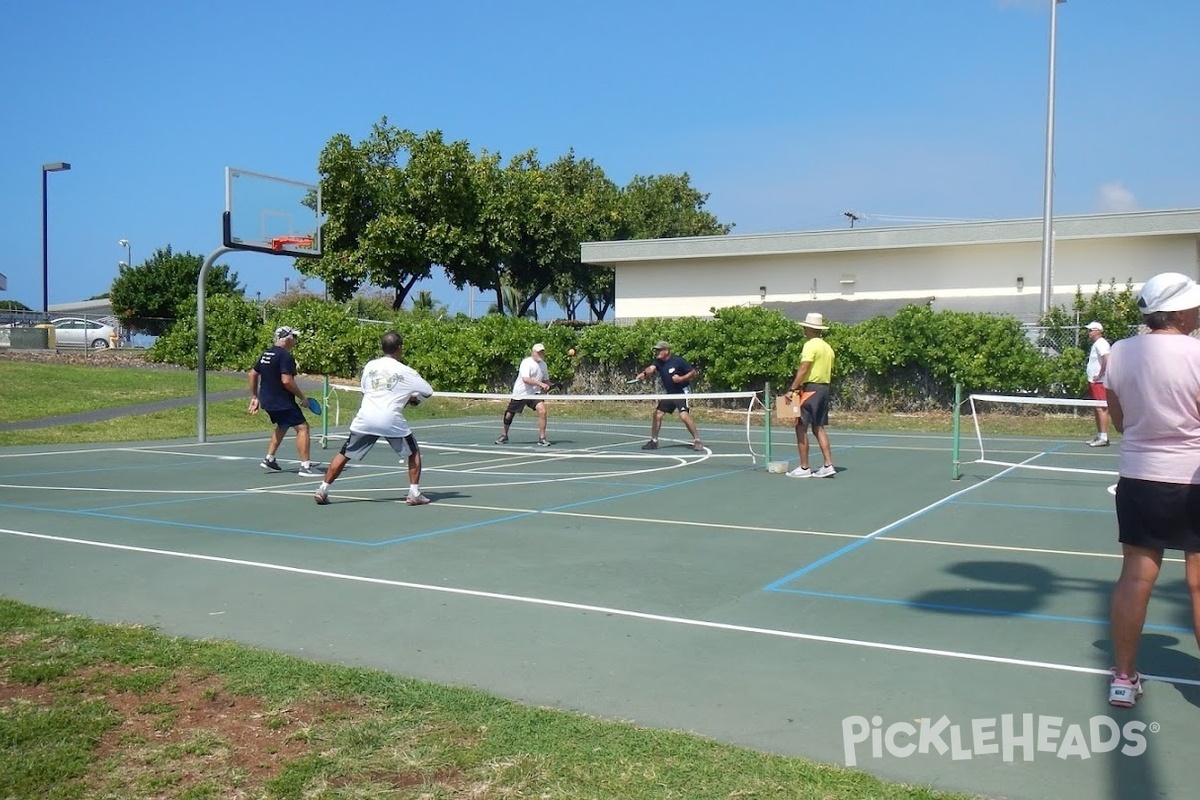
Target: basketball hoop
[297,241]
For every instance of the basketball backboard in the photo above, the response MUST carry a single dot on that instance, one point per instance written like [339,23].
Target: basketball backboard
[272,215]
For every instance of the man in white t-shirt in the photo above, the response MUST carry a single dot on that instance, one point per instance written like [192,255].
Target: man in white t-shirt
[532,379]
[1097,365]
[387,387]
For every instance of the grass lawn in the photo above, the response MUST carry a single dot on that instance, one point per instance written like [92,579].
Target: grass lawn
[100,711]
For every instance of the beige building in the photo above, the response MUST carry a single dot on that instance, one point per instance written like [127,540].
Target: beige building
[857,273]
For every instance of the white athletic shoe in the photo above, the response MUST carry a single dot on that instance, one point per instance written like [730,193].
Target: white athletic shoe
[824,471]
[1124,690]
[800,472]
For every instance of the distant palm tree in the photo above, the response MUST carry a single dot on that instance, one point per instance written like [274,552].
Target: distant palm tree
[423,303]
[512,300]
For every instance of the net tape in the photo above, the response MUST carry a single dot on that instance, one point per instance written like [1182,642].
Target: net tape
[746,403]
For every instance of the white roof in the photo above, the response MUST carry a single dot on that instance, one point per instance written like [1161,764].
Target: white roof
[1090,226]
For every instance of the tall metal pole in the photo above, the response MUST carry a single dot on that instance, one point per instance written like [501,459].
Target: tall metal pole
[55,166]
[1048,200]
[45,250]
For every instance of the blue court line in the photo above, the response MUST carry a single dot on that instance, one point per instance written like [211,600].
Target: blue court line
[196,498]
[334,540]
[870,537]
[192,525]
[563,507]
[455,529]
[1029,506]
[112,468]
[989,612]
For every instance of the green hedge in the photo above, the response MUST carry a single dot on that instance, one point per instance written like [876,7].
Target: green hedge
[909,361]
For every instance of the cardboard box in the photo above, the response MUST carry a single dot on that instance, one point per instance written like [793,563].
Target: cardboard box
[785,411]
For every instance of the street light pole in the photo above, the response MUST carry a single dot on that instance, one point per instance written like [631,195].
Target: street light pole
[128,252]
[55,166]
[1048,199]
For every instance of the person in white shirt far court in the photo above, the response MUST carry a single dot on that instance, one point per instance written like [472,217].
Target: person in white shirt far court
[1096,366]
[533,378]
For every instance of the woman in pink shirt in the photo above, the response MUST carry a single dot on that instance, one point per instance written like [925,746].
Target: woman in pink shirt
[1153,390]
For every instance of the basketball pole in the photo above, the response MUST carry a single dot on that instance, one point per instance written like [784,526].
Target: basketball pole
[201,371]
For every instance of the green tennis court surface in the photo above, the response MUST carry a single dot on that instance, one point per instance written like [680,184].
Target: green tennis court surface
[933,631]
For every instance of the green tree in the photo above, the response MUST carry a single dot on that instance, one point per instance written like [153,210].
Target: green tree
[666,207]
[397,205]
[147,297]
[653,207]
[13,305]
[590,212]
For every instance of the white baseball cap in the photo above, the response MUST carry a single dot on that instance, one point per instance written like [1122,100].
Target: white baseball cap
[1168,291]
[1094,326]
[539,348]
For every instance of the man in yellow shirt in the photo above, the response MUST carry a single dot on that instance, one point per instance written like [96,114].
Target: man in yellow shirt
[812,381]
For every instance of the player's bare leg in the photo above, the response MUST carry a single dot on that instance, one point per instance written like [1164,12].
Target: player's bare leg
[823,443]
[302,442]
[277,435]
[656,425]
[415,498]
[331,474]
[541,412]
[686,418]
[1139,570]
[802,443]
[335,468]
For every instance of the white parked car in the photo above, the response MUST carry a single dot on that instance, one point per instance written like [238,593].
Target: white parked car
[80,332]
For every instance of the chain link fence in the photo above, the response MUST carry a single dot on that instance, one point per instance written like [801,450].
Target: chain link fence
[38,330]
[1053,340]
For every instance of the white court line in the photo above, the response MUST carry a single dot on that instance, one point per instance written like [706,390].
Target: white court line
[605,610]
[1010,548]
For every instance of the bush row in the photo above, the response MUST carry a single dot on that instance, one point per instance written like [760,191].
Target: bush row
[907,362]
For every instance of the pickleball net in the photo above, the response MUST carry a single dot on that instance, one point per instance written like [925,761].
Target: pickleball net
[594,426]
[1049,434]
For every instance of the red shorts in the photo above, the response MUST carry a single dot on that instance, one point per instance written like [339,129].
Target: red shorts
[1097,391]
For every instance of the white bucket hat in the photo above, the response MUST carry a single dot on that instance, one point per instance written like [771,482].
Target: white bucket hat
[815,321]
[1168,291]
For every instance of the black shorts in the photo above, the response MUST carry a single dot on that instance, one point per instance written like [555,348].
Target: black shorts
[671,406]
[517,405]
[815,410]
[288,418]
[1159,516]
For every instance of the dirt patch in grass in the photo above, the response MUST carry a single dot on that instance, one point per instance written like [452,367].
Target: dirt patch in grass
[186,732]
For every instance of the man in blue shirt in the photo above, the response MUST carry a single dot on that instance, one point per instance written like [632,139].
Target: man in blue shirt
[273,388]
[676,375]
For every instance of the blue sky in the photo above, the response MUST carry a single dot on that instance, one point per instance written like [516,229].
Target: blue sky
[788,113]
